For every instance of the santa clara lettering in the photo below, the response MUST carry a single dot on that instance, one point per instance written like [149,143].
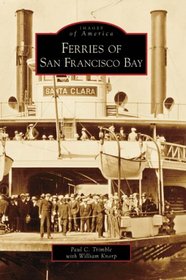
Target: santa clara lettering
[69,91]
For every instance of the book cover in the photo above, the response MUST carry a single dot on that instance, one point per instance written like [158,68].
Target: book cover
[92,121]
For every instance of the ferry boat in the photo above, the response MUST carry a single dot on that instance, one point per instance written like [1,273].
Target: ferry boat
[61,106]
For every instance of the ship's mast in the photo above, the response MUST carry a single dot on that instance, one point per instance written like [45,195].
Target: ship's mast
[58,134]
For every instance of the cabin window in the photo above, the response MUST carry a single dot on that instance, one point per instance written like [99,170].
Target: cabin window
[120,98]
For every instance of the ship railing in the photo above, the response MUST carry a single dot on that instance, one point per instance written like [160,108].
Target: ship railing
[173,152]
[87,107]
[179,212]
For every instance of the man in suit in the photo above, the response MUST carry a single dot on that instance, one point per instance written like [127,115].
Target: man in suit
[3,207]
[34,211]
[13,214]
[64,213]
[94,213]
[99,211]
[45,211]
[85,213]
[24,210]
[74,210]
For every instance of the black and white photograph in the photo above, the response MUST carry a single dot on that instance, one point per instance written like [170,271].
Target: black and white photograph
[92,139]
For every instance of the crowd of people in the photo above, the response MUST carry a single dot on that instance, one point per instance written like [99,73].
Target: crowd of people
[75,212]
[107,134]
[111,133]
[32,133]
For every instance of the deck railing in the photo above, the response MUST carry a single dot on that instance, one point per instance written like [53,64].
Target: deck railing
[175,152]
[96,108]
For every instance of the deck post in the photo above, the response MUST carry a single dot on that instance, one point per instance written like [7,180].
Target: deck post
[119,160]
[57,119]
[47,272]
[162,192]
[159,176]
[154,131]
[109,187]
[10,182]
[140,193]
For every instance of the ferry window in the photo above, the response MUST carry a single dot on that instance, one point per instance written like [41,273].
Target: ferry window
[120,98]
[12,102]
[169,103]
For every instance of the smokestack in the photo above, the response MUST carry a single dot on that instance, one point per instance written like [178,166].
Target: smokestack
[158,61]
[24,51]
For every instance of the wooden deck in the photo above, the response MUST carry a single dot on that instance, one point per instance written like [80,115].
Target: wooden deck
[31,242]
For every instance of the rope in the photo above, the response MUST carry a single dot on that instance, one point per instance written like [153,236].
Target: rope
[86,217]
[113,3]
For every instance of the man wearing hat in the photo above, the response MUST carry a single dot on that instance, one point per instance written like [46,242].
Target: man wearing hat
[60,200]
[94,213]
[64,213]
[145,202]
[44,137]
[122,136]
[133,136]
[45,212]
[151,207]
[125,204]
[54,213]
[84,135]
[3,134]
[99,211]
[74,210]
[31,133]
[34,210]
[51,137]
[28,204]
[3,206]
[112,132]
[13,213]
[16,135]
[24,211]
[85,213]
